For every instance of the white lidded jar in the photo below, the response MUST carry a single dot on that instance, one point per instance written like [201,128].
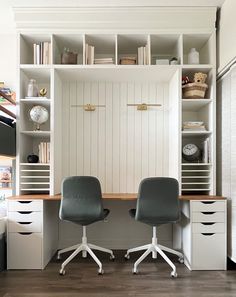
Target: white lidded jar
[32,90]
[193,56]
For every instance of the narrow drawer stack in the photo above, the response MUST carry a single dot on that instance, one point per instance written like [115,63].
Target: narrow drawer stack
[208,235]
[25,234]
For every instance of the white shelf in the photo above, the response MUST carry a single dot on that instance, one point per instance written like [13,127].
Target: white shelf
[35,164]
[35,183]
[36,133]
[194,176]
[34,170]
[34,176]
[194,104]
[194,190]
[195,133]
[117,73]
[195,183]
[196,164]
[36,189]
[195,170]
[198,67]
[36,101]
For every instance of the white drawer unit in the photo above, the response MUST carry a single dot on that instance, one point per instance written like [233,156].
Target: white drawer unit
[27,226]
[25,205]
[24,250]
[204,234]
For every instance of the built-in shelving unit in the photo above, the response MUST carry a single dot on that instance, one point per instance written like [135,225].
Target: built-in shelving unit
[71,86]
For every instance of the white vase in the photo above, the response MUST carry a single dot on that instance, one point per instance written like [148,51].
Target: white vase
[193,56]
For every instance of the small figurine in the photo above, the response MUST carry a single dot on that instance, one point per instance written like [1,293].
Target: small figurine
[185,80]
[200,77]
[43,92]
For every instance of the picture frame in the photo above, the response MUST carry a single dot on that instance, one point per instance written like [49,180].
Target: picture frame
[5,177]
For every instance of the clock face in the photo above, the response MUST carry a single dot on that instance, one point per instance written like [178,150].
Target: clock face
[191,152]
[190,149]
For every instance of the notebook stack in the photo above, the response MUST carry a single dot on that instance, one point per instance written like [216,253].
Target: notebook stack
[104,61]
[194,126]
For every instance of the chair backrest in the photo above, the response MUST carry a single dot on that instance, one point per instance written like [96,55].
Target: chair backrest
[81,200]
[158,201]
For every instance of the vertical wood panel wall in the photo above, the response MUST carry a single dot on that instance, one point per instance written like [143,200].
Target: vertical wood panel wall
[117,143]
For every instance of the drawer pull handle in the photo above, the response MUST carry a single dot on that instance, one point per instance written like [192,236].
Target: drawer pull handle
[208,212]
[207,234]
[207,224]
[24,223]
[25,212]
[207,202]
[25,233]
[25,202]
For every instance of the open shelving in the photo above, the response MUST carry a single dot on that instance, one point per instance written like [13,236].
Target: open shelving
[68,84]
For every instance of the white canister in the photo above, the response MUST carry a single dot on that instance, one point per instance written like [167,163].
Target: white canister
[193,56]
[32,90]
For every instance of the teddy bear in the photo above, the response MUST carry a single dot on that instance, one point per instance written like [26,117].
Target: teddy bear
[200,77]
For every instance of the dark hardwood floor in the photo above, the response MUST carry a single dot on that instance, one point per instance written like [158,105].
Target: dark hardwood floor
[81,279]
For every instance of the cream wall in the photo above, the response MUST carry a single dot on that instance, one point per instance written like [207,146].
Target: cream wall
[226,34]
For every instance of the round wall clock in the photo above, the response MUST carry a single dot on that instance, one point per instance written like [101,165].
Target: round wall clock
[191,152]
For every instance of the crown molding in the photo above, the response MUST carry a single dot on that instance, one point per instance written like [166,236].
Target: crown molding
[115,18]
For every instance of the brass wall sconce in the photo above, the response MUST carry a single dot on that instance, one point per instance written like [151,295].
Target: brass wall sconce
[143,106]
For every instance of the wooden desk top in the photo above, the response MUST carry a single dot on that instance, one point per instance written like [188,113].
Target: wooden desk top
[113,196]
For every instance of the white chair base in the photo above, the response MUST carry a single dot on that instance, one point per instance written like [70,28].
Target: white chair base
[85,248]
[155,248]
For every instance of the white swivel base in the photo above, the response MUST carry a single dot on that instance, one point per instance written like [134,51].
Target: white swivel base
[155,248]
[85,248]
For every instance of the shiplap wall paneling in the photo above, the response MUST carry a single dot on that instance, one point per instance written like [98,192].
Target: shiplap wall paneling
[117,143]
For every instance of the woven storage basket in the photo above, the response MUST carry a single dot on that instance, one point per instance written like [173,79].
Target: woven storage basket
[194,90]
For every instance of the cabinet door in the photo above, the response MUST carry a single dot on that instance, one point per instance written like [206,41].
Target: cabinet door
[208,251]
[24,251]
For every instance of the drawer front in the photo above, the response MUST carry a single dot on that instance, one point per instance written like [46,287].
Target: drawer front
[208,228]
[213,217]
[25,216]
[207,206]
[209,252]
[24,227]
[25,205]
[24,251]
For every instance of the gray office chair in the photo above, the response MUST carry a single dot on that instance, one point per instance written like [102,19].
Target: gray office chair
[82,204]
[157,204]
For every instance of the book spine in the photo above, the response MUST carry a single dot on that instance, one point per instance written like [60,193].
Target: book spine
[35,53]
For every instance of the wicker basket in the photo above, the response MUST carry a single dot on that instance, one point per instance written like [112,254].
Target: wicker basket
[194,90]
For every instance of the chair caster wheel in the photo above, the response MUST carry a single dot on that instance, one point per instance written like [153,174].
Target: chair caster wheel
[134,271]
[127,256]
[173,274]
[100,271]
[181,260]
[62,271]
[112,257]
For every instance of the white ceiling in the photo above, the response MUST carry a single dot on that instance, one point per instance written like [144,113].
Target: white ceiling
[7,23]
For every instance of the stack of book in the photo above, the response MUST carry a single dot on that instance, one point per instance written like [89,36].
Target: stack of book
[44,152]
[104,61]
[42,52]
[194,126]
[89,54]
[128,60]
[143,54]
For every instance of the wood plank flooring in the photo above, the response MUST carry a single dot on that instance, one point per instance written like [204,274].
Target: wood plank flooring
[81,279]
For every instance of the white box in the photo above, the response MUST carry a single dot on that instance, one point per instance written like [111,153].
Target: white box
[162,62]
